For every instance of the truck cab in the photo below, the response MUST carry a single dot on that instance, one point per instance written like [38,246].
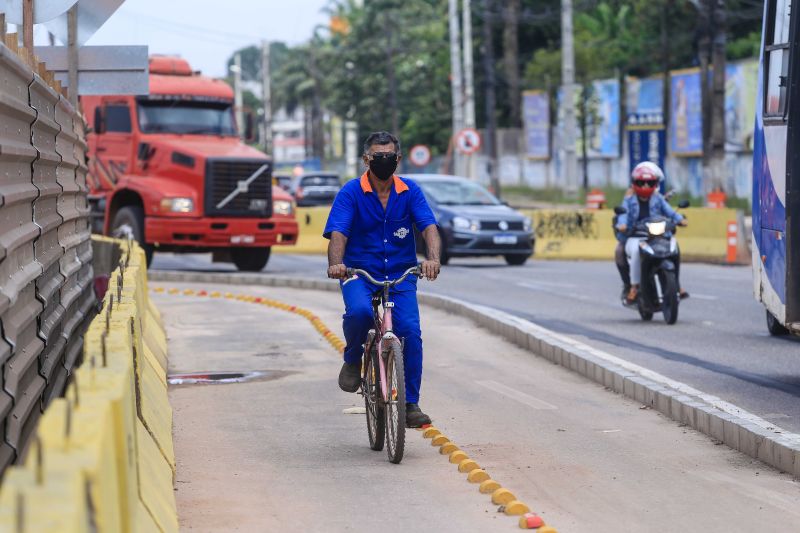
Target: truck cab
[170,168]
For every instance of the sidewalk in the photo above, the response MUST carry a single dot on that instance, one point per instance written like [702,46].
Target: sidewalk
[280,455]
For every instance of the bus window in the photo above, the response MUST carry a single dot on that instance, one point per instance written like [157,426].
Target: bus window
[777,57]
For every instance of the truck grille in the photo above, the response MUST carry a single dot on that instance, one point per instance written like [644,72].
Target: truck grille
[227,176]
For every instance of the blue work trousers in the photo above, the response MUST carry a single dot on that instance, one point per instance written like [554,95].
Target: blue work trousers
[357,321]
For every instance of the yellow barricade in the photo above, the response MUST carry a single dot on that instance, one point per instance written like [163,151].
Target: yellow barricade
[103,458]
[564,233]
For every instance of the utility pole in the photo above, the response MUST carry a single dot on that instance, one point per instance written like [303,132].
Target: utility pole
[469,85]
[237,87]
[491,104]
[72,50]
[717,135]
[569,176]
[266,95]
[455,83]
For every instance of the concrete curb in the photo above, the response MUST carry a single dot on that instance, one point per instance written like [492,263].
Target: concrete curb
[708,414]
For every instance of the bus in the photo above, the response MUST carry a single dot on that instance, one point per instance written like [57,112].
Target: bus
[776,170]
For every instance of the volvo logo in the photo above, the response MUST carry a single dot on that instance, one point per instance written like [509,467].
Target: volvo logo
[503,225]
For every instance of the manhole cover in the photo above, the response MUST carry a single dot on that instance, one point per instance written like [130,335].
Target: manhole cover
[225,377]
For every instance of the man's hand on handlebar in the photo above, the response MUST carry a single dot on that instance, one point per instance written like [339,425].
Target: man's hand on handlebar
[683,222]
[622,228]
[430,269]
[337,272]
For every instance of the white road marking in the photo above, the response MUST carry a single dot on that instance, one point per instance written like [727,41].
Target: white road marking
[611,430]
[355,410]
[514,394]
[546,284]
[708,297]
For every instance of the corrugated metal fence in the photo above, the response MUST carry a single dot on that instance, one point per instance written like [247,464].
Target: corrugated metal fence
[46,278]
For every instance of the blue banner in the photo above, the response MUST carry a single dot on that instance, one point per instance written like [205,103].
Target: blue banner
[603,121]
[644,107]
[647,145]
[686,131]
[536,119]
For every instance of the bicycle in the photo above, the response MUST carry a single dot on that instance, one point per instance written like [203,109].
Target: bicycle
[383,379]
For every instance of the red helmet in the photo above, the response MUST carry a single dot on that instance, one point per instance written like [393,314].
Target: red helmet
[646,178]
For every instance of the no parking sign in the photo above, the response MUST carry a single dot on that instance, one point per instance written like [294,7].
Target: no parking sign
[468,141]
[420,155]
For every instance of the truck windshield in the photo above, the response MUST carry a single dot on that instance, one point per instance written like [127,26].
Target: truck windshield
[203,118]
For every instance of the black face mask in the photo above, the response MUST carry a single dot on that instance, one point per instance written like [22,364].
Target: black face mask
[383,167]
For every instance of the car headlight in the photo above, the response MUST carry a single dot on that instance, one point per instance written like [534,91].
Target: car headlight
[527,223]
[460,223]
[283,207]
[465,224]
[177,205]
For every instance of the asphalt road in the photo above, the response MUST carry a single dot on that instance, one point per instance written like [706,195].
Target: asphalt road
[283,452]
[720,344]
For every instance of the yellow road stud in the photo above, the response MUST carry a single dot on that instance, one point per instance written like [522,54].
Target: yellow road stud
[431,432]
[228,295]
[467,465]
[516,508]
[215,294]
[438,440]
[173,291]
[448,448]
[159,290]
[547,529]
[457,456]
[488,486]
[477,476]
[188,292]
[502,497]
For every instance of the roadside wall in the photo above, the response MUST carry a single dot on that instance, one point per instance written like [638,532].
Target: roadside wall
[102,458]
[46,289]
[570,234]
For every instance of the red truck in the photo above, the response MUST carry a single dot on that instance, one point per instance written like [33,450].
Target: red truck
[172,168]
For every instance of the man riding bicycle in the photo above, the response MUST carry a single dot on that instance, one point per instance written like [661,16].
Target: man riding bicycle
[371,227]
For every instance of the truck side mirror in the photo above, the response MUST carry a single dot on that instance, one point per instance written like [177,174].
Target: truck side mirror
[249,127]
[98,120]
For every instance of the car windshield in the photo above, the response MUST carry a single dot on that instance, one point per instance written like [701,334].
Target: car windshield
[458,192]
[186,117]
[320,181]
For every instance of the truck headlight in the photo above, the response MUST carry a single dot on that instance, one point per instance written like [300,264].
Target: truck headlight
[283,207]
[177,205]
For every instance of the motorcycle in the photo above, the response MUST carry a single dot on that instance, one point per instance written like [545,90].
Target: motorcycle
[660,257]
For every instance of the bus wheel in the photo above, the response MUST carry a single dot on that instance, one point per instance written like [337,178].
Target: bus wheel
[775,328]
[250,259]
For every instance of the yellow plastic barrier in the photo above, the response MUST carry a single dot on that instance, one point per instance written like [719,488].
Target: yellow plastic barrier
[564,233]
[311,223]
[103,459]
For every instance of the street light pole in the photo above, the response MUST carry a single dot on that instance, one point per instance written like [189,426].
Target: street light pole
[569,176]
[455,82]
[469,88]
[491,103]
[237,87]
[266,94]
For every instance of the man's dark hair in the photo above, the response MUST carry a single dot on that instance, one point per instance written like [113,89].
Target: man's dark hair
[381,137]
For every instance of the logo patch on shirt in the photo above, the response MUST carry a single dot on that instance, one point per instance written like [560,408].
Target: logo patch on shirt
[402,233]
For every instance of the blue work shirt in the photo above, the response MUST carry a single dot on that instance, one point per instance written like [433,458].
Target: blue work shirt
[380,241]
[658,206]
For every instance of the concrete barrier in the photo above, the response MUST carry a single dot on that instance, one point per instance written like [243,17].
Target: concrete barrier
[102,458]
[567,234]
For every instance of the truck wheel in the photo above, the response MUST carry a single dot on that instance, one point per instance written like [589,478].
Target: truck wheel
[132,217]
[775,328]
[250,259]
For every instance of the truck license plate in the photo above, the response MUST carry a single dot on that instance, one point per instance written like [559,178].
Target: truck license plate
[505,239]
[242,239]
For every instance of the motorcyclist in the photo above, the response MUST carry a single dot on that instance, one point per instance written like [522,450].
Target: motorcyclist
[646,202]
[620,259]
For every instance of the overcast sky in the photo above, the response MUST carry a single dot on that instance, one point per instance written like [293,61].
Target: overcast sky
[206,32]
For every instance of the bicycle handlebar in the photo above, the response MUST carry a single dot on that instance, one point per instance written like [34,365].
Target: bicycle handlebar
[351,272]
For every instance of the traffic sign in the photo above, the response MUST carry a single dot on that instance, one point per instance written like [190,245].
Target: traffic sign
[420,155]
[468,141]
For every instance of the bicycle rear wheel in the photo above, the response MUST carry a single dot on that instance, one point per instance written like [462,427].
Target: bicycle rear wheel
[376,421]
[396,407]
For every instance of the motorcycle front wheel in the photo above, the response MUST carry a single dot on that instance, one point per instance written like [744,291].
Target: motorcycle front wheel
[670,299]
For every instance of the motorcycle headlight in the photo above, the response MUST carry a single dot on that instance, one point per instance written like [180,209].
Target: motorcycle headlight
[527,224]
[283,207]
[177,205]
[657,228]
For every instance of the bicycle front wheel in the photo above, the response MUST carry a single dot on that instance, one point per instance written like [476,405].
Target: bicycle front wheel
[376,421]
[395,408]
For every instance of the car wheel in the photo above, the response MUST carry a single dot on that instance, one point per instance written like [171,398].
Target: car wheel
[516,259]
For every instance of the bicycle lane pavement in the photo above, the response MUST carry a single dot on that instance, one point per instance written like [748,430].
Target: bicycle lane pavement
[280,455]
